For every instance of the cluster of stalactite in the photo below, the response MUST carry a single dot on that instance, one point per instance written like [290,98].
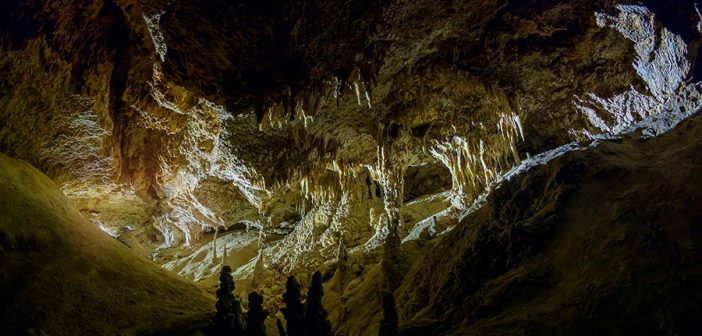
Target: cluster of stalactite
[475,162]
[324,182]
[321,187]
[331,183]
[306,104]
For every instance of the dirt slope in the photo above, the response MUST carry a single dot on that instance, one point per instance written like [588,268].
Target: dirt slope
[60,275]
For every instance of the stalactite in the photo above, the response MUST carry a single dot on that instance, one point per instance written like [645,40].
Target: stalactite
[357,89]
[366,93]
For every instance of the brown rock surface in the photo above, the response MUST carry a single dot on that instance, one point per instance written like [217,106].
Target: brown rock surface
[279,131]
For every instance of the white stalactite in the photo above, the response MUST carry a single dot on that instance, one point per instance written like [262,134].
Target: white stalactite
[476,163]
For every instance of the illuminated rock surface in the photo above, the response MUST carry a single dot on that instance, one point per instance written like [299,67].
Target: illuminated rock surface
[275,136]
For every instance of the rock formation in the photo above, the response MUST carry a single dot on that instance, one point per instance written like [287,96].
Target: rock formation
[285,137]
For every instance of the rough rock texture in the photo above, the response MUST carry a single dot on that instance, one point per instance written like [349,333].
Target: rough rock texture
[601,241]
[284,136]
[61,276]
[282,132]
